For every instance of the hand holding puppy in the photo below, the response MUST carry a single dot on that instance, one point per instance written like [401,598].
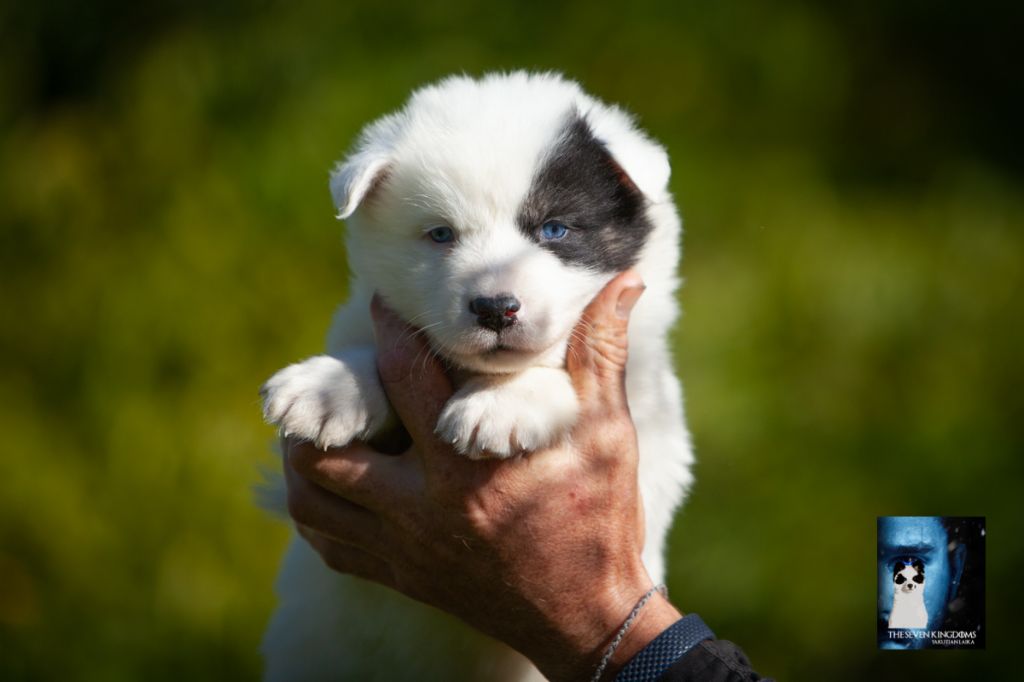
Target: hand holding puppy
[542,552]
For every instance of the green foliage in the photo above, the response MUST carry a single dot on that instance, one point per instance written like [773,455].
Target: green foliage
[851,192]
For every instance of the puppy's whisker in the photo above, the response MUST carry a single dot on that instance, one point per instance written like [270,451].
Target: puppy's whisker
[411,323]
[578,336]
[588,327]
[418,316]
[412,332]
[421,333]
[421,359]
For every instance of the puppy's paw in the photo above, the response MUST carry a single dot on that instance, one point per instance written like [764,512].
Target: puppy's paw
[505,416]
[329,400]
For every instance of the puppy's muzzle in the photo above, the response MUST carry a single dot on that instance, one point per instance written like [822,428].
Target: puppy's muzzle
[495,313]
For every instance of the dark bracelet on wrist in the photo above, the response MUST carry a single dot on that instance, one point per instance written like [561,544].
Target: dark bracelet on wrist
[665,649]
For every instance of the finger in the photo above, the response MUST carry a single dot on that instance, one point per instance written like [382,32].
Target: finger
[311,506]
[356,473]
[410,373]
[599,347]
[348,559]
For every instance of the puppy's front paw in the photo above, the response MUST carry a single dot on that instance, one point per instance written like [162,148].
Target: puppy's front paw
[329,400]
[501,417]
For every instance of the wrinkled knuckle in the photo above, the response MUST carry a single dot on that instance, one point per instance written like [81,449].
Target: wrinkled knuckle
[302,457]
[483,513]
[320,469]
[453,503]
[610,356]
[336,561]
[298,509]
[408,585]
[476,515]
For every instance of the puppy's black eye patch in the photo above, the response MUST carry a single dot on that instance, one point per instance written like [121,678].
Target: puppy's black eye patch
[900,579]
[581,186]
[918,578]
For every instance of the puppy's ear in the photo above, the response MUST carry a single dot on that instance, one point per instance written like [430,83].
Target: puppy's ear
[644,162]
[355,178]
[640,158]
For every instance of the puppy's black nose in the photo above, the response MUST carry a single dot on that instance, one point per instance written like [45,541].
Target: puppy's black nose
[495,313]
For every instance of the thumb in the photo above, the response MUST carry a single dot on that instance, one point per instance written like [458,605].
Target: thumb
[599,346]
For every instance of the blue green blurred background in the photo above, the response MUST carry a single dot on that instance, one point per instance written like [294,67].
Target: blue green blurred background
[850,178]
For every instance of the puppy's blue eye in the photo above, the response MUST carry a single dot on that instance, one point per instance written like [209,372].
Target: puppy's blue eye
[553,230]
[441,234]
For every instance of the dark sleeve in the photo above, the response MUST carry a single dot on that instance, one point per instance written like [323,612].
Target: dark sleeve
[713,660]
[687,651]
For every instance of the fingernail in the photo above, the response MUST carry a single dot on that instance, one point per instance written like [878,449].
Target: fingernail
[628,299]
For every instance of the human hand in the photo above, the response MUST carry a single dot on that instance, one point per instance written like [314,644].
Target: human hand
[542,551]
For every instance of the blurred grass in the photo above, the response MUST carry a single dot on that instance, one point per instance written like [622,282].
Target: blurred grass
[850,181]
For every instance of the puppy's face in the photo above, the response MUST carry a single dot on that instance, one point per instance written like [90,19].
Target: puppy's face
[908,576]
[492,236]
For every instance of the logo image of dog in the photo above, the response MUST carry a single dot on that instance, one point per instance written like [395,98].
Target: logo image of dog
[487,213]
[908,610]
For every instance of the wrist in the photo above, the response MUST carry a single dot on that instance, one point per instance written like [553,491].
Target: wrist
[583,633]
[655,617]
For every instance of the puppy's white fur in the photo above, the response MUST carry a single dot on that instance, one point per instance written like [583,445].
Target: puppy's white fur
[463,153]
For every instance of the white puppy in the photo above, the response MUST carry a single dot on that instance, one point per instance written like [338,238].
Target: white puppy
[908,610]
[486,213]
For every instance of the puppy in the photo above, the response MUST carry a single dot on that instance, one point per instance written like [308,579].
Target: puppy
[908,610]
[487,213]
